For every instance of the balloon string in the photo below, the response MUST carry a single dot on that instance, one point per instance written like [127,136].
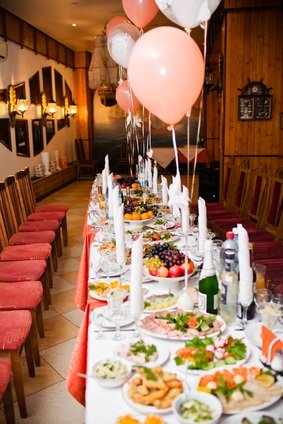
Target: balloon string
[200,113]
[148,141]
[188,150]
[175,148]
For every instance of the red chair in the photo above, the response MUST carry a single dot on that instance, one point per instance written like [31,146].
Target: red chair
[25,296]
[16,238]
[15,334]
[42,212]
[16,203]
[6,390]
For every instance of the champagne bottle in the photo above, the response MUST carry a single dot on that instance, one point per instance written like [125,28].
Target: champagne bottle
[208,283]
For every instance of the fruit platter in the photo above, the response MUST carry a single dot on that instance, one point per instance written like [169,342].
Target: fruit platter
[199,355]
[148,419]
[242,388]
[160,224]
[180,325]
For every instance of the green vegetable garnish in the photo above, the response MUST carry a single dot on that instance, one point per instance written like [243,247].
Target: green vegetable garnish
[141,347]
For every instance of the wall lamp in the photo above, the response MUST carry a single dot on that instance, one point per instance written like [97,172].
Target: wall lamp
[16,106]
[69,109]
[47,108]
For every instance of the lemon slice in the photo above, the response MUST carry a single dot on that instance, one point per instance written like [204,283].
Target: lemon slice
[266,380]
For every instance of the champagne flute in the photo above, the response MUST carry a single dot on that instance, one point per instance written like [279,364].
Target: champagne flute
[116,311]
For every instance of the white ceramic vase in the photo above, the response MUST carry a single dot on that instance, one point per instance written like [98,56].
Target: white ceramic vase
[45,161]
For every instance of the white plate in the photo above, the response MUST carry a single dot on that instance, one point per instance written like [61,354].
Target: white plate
[253,332]
[162,351]
[172,239]
[263,405]
[254,417]
[138,221]
[107,323]
[117,273]
[144,409]
[183,368]
[168,308]
[177,337]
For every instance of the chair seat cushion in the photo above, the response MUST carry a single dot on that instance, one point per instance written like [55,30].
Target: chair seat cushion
[14,329]
[5,375]
[42,216]
[32,237]
[22,270]
[51,225]
[21,295]
[52,207]
[26,252]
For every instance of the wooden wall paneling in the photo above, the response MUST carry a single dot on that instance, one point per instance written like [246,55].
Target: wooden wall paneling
[52,49]
[28,39]
[62,53]
[41,43]
[13,28]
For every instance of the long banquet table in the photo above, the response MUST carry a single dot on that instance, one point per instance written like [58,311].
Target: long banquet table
[104,405]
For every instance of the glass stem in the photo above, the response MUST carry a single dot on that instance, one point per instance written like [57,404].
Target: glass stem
[245,316]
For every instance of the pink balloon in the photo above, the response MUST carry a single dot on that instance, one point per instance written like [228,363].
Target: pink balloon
[126,98]
[115,21]
[166,72]
[141,12]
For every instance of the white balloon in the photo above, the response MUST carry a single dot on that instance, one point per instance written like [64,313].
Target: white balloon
[187,13]
[120,42]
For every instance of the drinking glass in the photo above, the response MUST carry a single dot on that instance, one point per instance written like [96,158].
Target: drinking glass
[260,270]
[277,299]
[116,311]
[106,259]
[192,219]
[262,297]
[98,319]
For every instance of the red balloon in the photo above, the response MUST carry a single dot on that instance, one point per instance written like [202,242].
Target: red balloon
[141,12]
[126,98]
[166,72]
[115,21]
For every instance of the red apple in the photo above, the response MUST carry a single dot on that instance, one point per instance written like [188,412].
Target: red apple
[190,267]
[151,271]
[162,271]
[175,271]
[123,185]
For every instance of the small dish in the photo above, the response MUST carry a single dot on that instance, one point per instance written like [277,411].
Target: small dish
[206,399]
[111,372]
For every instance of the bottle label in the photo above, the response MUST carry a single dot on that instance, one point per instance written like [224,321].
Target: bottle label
[224,290]
[202,302]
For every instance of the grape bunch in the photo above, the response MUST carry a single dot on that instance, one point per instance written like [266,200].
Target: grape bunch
[129,207]
[153,263]
[167,253]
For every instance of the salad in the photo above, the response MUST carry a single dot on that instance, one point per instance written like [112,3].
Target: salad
[109,369]
[196,411]
[158,302]
[208,353]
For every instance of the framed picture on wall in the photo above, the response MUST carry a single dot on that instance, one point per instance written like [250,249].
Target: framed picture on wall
[5,135]
[22,138]
[37,136]
[34,89]
[50,130]
[60,124]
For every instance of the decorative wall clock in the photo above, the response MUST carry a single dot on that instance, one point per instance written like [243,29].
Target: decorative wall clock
[255,102]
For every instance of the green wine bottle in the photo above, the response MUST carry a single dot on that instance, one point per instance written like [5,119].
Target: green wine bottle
[208,296]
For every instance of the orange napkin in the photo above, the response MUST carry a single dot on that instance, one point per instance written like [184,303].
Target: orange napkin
[267,337]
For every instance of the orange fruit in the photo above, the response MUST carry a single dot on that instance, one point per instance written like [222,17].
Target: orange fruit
[136,216]
[128,216]
[135,185]
[145,215]
[150,214]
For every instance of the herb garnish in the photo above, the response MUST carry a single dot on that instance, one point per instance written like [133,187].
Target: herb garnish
[148,373]
[141,347]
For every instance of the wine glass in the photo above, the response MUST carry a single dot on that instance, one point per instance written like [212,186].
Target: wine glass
[277,299]
[116,310]
[192,218]
[106,259]
[98,319]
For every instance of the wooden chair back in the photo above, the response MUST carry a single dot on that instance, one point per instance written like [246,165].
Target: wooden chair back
[257,193]
[80,152]
[8,213]
[239,190]
[229,180]
[24,185]
[272,215]
[16,199]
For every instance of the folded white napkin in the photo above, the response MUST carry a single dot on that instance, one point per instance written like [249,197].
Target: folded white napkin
[149,173]
[136,292]
[164,184]
[110,195]
[246,272]
[120,234]
[115,200]
[202,224]
[104,182]
[106,166]
[155,180]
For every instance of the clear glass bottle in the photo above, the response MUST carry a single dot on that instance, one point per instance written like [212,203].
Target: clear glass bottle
[229,288]
[208,297]
[231,244]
